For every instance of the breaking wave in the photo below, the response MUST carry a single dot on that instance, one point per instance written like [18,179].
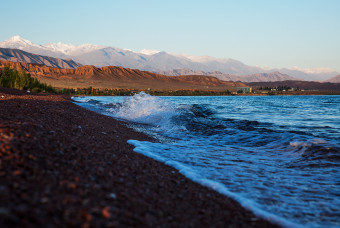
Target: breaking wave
[278,155]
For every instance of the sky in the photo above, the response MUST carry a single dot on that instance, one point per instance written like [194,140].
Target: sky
[265,33]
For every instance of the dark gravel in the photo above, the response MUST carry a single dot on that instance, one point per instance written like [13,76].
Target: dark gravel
[64,166]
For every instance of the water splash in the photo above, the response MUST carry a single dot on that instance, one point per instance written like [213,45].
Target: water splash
[146,109]
[282,153]
[160,115]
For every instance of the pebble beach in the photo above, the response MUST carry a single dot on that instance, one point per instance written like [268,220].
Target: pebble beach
[65,166]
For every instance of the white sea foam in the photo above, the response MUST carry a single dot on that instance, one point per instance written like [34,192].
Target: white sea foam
[245,148]
[146,109]
[146,149]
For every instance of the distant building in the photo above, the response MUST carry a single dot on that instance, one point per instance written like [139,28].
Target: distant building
[292,89]
[243,89]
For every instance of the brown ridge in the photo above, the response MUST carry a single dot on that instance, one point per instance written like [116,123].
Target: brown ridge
[16,55]
[36,69]
[306,85]
[119,77]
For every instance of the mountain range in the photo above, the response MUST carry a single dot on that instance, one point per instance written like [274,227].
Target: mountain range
[305,85]
[259,77]
[156,61]
[335,79]
[16,55]
[119,78]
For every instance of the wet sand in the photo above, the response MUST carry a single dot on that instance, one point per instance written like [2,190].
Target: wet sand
[64,166]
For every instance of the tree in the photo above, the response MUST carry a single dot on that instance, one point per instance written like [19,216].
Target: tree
[19,79]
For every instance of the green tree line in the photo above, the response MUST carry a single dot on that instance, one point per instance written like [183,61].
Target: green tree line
[96,92]
[277,88]
[90,91]
[19,79]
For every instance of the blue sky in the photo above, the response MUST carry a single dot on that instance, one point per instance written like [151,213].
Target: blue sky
[273,33]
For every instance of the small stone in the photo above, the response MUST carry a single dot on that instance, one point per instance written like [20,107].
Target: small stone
[104,133]
[32,157]
[17,172]
[112,196]
[59,152]
[87,216]
[85,202]
[106,212]
[44,200]
[4,212]
[72,185]
[100,171]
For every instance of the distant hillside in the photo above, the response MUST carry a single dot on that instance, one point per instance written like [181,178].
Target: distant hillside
[306,85]
[335,79]
[267,77]
[17,55]
[158,61]
[119,77]
[259,77]
[90,54]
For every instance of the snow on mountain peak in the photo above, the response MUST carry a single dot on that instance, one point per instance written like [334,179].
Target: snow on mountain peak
[149,52]
[84,48]
[60,47]
[202,59]
[319,70]
[70,49]
[16,39]
[18,43]
[90,46]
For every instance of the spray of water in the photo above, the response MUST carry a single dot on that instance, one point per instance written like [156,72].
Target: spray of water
[146,109]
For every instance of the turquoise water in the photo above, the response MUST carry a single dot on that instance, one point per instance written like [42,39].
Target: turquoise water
[277,155]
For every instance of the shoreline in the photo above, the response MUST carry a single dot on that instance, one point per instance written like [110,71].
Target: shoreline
[131,92]
[64,165]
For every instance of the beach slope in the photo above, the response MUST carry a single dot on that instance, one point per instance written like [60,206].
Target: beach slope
[62,166]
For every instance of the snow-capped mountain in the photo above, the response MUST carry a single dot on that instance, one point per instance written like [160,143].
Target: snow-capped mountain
[16,42]
[151,60]
[259,77]
[314,74]
[69,49]
[56,50]
[203,59]
[335,79]
[149,52]
[60,47]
